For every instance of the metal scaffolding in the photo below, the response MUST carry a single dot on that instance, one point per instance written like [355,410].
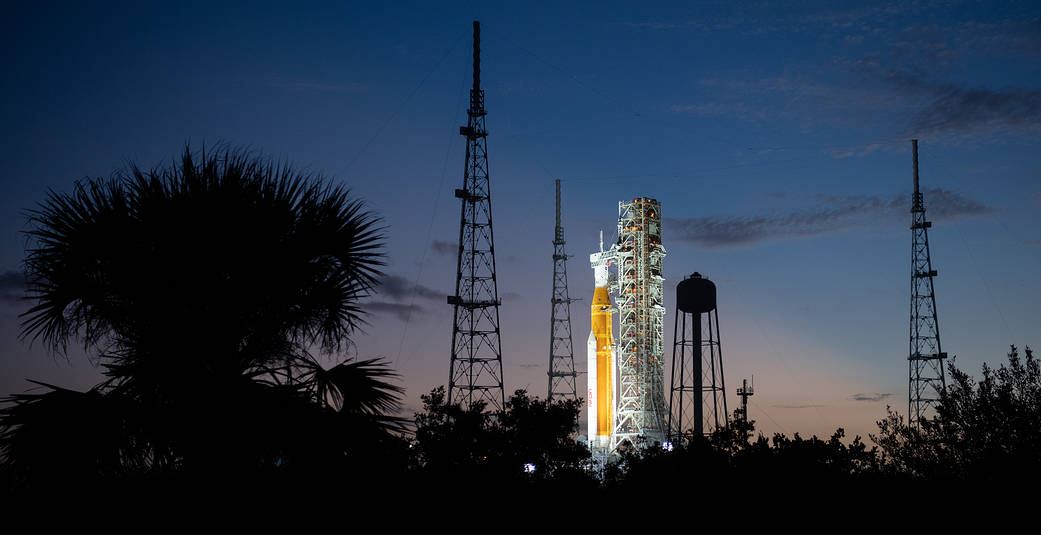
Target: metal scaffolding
[640,410]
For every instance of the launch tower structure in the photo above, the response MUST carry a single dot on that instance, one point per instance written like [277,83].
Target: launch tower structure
[925,358]
[562,377]
[641,314]
[639,409]
[475,372]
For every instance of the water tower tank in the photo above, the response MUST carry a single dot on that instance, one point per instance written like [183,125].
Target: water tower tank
[696,295]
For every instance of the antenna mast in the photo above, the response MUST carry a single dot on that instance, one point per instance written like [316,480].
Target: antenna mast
[475,372]
[925,358]
[744,393]
[562,379]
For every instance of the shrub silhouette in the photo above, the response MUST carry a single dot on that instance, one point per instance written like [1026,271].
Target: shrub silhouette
[981,431]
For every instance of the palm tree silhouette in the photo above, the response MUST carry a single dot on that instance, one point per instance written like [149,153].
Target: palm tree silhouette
[204,290]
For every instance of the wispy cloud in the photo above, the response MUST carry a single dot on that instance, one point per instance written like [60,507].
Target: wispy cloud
[830,214]
[946,108]
[853,40]
[903,78]
[944,204]
[961,110]
[792,97]
[397,287]
[400,310]
[397,290]
[445,248]
[870,397]
[12,286]
[855,151]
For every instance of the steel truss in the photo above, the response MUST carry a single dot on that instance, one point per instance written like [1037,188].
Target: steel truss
[925,357]
[640,410]
[475,372]
[562,376]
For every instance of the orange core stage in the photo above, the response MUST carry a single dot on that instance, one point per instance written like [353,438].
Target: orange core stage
[601,320]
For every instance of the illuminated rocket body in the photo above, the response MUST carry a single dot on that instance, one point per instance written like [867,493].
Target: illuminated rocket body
[600,361]
[626,389]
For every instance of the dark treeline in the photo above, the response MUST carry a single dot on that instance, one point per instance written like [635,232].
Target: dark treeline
[216,295]
[983,435]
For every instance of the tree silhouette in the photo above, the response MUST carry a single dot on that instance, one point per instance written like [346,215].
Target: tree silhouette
[540,433]
[450,439]
[529,445]
[985,430]
[202,289]
[711,468]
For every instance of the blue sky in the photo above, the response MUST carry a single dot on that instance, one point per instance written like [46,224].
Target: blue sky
[776,136]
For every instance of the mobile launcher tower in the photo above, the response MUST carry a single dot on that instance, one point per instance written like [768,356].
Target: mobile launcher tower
[626,375]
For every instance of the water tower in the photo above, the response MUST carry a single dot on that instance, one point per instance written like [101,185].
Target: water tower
[697,402]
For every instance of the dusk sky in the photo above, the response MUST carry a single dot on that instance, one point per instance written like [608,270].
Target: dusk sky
[776,136]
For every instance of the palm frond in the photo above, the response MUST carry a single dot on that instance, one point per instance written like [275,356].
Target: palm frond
[64,433]
[75,241]
[360,387]
[195,282]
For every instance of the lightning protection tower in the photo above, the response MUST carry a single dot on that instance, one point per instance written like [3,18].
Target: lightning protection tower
[475,373]
[698,403]
[562,379]
[640,410]
[925,358]
[746,391]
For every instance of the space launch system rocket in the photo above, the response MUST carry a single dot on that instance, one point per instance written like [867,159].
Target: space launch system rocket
[600,363]
[626,378]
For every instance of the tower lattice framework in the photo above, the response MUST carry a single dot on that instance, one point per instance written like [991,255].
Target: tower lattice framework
[641,370]
[925,358]
[562,376]
[475,373]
